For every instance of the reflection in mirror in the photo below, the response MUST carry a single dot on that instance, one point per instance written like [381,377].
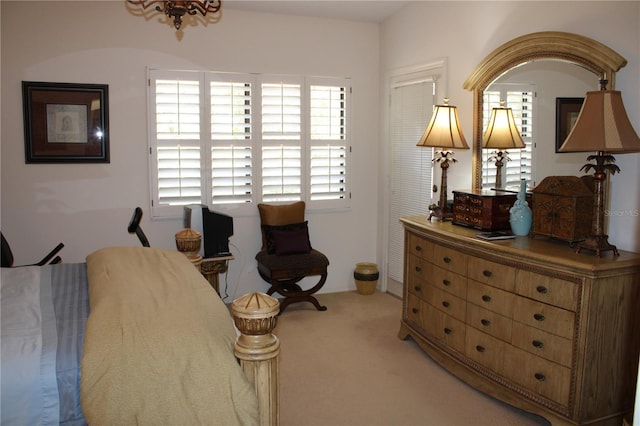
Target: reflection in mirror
[539,50]
[531,91]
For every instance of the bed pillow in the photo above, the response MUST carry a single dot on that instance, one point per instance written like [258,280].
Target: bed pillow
[287,239]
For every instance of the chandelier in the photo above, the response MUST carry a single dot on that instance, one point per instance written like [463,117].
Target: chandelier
[177,9]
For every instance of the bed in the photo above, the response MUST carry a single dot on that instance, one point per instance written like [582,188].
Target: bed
[133,336]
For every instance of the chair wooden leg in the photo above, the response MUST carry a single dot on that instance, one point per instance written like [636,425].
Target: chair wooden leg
[293,293]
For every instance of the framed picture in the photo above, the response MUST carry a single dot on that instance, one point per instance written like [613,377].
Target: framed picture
[65,122]
[567,111]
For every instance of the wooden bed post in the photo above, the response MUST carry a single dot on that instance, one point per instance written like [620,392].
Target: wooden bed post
[257,349]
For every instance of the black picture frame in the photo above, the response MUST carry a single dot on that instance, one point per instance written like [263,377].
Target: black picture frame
[567,111]
[65,122]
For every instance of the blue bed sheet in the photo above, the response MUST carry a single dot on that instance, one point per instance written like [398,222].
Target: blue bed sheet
[71,306]
[44,311]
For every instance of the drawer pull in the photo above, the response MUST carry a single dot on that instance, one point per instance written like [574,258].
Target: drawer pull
[486,298]
[539,377]
[537,344]
[542,289]
[538,317]
[415,310]
[417,288]
[447,331]
[446,304]
[446,282]
[418,269]
[487,273]
[480,348]
[418,248]
[446,259]
[485,322]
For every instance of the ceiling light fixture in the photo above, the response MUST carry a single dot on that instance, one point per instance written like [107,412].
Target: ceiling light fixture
[177,9]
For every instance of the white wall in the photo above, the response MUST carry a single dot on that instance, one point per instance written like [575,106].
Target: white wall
[465,32]
[88,206]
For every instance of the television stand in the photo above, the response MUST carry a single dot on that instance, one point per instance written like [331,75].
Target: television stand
[211,267]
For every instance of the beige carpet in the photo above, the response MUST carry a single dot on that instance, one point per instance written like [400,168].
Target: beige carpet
[346,366]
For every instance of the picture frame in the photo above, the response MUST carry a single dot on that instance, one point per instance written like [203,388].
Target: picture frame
[567,111]
[65,122]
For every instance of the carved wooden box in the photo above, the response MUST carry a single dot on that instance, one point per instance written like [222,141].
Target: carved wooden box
[563,207]
[487,210]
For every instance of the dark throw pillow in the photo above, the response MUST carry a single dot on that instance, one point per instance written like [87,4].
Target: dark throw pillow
[287,239]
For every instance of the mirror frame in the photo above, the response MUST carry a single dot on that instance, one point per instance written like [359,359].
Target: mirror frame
[568,47]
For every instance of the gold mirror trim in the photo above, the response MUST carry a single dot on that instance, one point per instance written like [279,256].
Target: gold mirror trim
[574,48]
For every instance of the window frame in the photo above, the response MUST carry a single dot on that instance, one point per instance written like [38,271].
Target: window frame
[256,141]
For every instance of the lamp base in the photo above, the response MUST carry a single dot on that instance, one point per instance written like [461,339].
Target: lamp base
[440,214]
[597,243]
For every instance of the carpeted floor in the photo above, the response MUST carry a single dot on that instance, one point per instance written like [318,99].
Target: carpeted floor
[346,366]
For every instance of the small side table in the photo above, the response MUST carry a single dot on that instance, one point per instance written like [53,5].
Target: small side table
[212,266]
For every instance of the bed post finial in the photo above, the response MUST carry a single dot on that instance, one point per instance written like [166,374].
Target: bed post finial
[257,348]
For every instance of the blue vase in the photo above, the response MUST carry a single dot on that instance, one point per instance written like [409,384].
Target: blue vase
[520,215]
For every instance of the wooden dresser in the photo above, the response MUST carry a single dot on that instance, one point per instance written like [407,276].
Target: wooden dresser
[527,321]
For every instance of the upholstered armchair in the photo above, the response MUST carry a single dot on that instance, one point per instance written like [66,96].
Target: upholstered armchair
[287,257]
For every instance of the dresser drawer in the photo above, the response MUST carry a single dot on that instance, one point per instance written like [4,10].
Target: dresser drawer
[419,247]
[489,322]
[544,317]
[484,349]
[444,328]
[417,287]
[553,291]
[538,375]
[490,298]
[419,268]
[446,302]
[450,259]
[414,310]
[543,344]
[492,273]
[448,281]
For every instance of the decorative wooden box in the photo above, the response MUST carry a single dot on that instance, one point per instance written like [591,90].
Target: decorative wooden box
[487,210]
[563,207]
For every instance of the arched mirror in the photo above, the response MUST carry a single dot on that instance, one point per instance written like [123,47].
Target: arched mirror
[530,67]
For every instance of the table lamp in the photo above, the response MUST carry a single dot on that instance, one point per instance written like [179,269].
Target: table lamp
[443,132]
[501,134]
[602,127]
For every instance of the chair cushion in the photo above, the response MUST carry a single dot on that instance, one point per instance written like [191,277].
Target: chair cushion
[294,264]
[276,215]
[287,239]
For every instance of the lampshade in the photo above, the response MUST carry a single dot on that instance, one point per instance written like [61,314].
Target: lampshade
[444,130]
[602,126]
[502,132]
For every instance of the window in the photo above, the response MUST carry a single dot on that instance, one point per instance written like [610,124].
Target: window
[520,99]
[232,140]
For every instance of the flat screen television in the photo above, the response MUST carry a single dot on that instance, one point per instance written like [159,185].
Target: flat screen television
[215,228]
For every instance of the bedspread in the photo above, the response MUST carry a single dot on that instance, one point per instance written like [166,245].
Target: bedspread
[158,345]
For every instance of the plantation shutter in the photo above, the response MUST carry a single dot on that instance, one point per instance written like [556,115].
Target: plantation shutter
[328,142]
[411,167]
[177,134]
[232,139]
[281,141]
[520,100]
[229,140]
